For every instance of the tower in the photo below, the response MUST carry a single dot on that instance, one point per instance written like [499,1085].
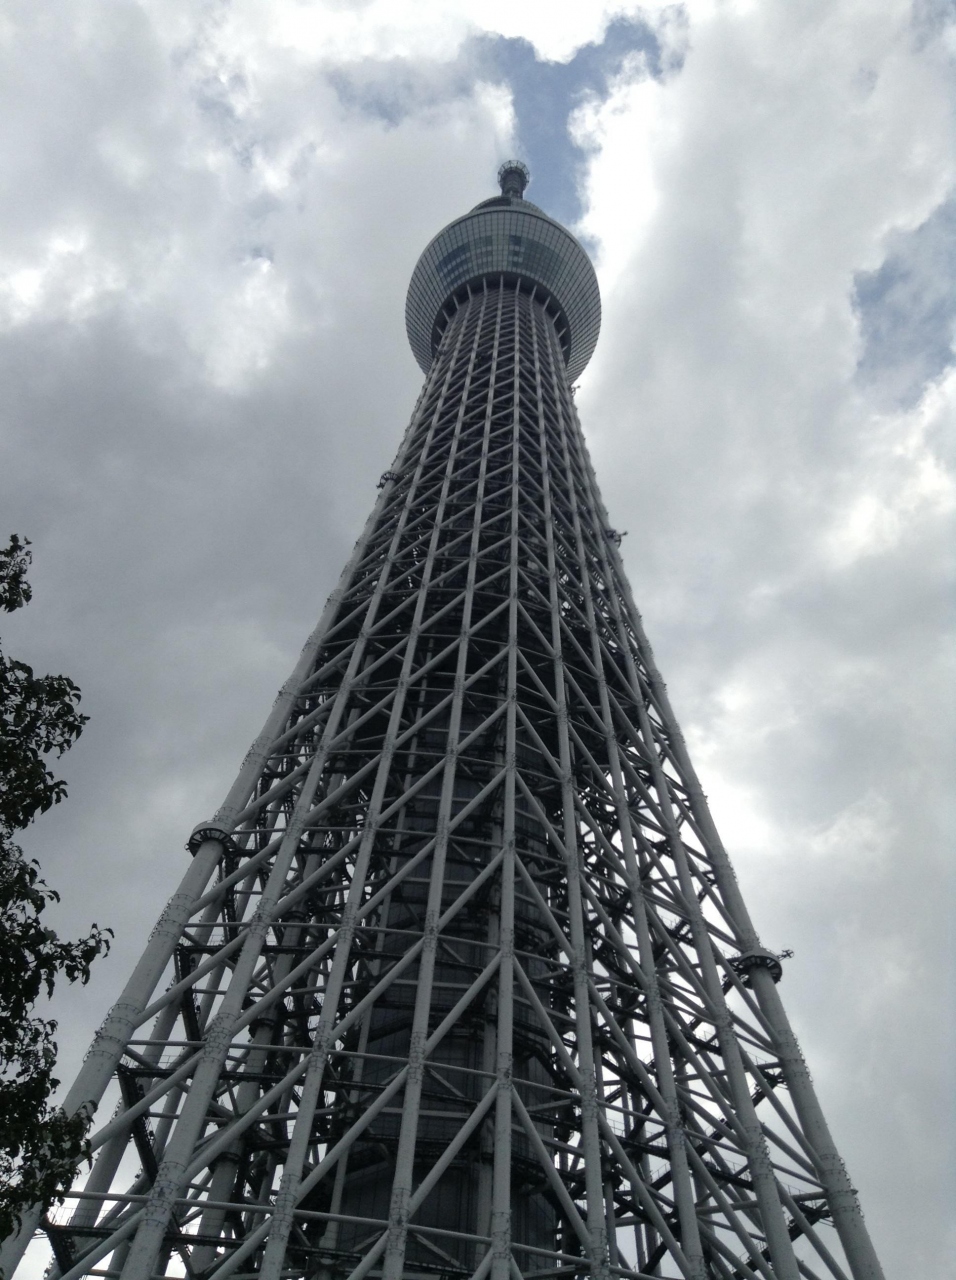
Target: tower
[459,981]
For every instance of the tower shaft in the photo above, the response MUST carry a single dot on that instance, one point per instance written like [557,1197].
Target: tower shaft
[459,982]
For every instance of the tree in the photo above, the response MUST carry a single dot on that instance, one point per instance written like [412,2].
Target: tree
[41,1147]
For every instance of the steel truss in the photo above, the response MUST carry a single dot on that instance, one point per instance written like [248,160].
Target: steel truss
[459,982]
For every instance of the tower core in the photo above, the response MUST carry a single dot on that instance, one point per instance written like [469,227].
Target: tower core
[459,982]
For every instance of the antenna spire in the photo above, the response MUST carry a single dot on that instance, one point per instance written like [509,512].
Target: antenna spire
[513,177]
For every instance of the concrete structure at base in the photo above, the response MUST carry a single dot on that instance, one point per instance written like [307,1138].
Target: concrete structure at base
[459,982]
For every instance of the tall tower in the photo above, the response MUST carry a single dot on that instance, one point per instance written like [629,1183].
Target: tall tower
[459,982]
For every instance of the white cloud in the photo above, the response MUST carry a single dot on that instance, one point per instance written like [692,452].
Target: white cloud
[907,485]
[788,534]
[203,263]
[275,33]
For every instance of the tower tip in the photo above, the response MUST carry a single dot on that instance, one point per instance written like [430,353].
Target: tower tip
[513,177]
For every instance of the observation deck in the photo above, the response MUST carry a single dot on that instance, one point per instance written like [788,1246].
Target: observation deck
[506,237]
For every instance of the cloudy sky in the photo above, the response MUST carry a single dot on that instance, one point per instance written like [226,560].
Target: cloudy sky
[209,212]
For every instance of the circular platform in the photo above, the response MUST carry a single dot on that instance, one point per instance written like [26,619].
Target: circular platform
[508,237]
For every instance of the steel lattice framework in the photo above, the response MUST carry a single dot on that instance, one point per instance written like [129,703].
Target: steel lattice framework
[459,981]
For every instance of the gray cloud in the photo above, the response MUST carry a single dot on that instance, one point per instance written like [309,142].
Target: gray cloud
[207,235]
[790,541]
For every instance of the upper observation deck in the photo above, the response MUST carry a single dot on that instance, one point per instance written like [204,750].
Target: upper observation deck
[507,237]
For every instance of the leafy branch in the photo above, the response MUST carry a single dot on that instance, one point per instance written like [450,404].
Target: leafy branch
[41,1148]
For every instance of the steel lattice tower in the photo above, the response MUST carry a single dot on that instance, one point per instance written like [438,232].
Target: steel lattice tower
[459,982]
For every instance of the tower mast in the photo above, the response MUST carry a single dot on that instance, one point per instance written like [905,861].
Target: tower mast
[459,981]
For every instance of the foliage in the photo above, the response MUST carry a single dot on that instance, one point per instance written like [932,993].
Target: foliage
[40,1146]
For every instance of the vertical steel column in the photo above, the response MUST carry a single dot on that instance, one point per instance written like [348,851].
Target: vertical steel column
[500,1250]
[689,1234]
